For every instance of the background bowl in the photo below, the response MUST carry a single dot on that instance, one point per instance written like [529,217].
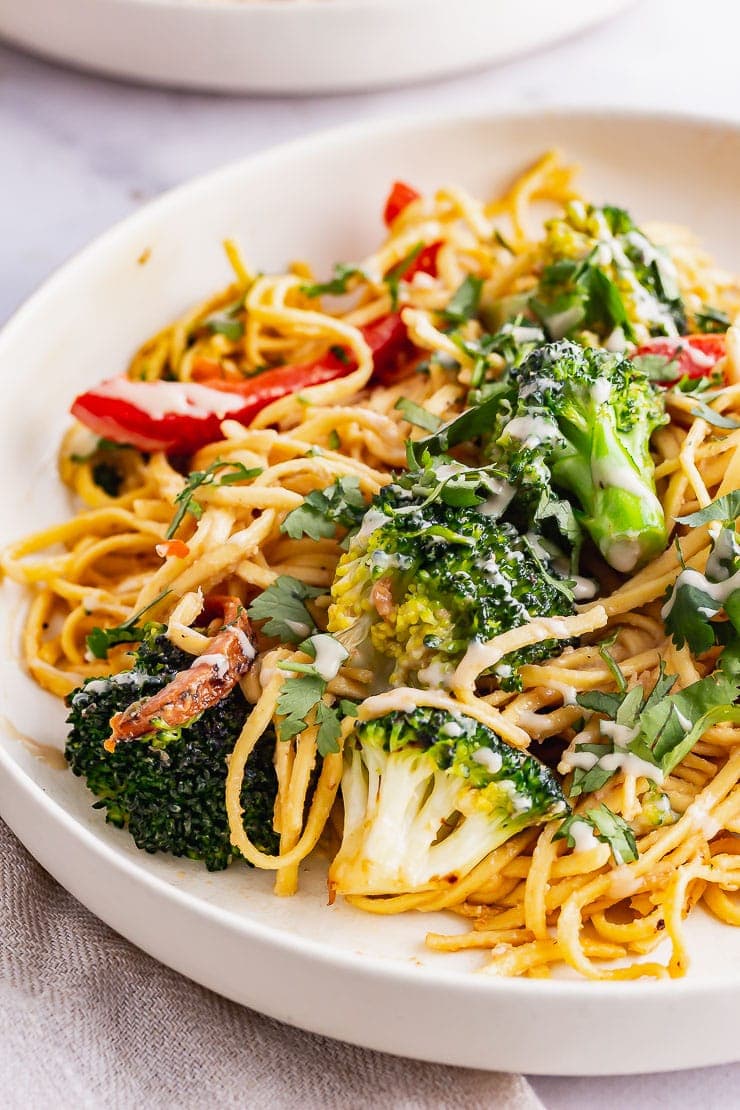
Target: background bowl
[290,46]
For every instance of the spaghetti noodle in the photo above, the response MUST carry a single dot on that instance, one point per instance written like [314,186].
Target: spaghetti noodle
[534,902]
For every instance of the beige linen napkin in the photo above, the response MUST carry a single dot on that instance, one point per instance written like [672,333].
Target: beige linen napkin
[87,1021]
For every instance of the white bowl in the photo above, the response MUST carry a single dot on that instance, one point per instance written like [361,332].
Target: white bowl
[289,46]
[333,970]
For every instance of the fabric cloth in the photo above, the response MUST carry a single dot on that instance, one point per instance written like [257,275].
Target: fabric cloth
[87,1021]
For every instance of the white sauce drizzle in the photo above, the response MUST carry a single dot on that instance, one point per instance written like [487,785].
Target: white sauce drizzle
[583,588]
[217,659]
[617,475]
[531,430]
[158,398]
[583,835]
[601,390]
[371,522]
[492,761]
[244,642]
[718,591]
[622,554]
[329,655]
[621,735]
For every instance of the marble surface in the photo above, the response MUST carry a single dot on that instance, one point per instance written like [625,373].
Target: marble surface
[78,153]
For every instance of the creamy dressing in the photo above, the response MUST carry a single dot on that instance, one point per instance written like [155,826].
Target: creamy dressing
[622,554]
[498,500]
[621,735]
[248,650]
[157,399]
[480,656]
[531,430]
[436,674]
[582,761]
[492,761]
[631,764]
[583,588]
[718,591]
[568,693]
[601,390]
[100,685]
[298,628]
[329,655]
[684,722]
[539,385]
[606,473]
[583,836]
[216,659]
[371,522]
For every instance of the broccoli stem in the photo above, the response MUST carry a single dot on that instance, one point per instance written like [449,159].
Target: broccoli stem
[621,510]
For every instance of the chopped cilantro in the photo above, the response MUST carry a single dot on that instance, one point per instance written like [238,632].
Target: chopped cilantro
[712,320]
[281,607]
[217,474]
[464,301]
[397,273]
[100,640]
[609,828]
[417,415]
[337,284]
[322,510]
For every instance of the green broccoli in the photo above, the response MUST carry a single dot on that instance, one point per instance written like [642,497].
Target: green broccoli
[168,790]
[427,796]
[581,419]
[604,277]
[429,572]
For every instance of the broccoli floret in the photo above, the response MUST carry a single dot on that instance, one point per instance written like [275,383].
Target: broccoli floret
[602,274]
[168,791]
[422,579]
[427,796]
[582,419]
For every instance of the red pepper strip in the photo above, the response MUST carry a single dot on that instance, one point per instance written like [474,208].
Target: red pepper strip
[426,263]
[134,412]
[399,197]
[692,356]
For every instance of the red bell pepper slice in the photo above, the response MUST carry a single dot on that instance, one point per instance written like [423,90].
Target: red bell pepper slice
[180,417]
[399,197]
[691,356]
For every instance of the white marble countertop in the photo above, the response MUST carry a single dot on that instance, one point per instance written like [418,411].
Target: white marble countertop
[78,153]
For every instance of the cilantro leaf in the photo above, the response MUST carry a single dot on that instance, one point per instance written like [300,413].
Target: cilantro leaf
[100,640]
[609,828]
[716,419]
[712,320]
[691,602]
[337,285]
[657,368]
[217,474]
[597,702]
[397,273]
[329,731]
[281,607]
[725,508]
[463,303]
[417,415]
[297,697]
[586,781]
[225,321]
[322,510]
[614,831]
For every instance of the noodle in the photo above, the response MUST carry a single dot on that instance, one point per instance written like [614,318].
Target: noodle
[533,904]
